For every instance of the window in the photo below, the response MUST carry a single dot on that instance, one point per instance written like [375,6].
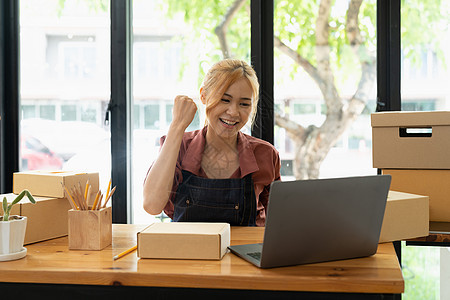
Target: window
[78,60]
[64,51]
[47,112]
[68,112]
[28,111]
[158,58]
[173,46]
[425,76]
[425,55]
[151,116]
[323,90]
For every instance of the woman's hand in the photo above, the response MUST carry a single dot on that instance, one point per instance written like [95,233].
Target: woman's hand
[183,111]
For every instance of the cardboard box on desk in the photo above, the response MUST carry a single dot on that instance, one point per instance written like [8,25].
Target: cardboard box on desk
[405,217]
[433,183]
[47,219]
[411,140]
[184,240]
[51,184]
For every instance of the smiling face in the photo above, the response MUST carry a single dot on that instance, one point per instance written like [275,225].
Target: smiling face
[230,92]
[232,111]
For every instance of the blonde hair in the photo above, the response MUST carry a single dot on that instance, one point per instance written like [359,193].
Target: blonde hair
[223,74]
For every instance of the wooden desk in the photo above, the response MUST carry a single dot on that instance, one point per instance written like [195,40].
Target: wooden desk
[439,236]
[50,266]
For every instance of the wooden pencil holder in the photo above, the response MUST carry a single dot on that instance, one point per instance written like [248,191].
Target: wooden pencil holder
[90,229]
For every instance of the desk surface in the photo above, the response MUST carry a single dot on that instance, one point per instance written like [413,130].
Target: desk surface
[439,233]
[52,262]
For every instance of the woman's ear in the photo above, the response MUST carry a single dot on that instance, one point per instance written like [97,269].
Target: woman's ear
[202,96]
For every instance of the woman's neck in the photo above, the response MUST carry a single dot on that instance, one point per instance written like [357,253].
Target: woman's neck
[218,142]
[220,158]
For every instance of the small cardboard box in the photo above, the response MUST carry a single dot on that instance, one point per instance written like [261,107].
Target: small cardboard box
[184,240]
[47,219]
[51,184]
[411,140]
[90,229]
[405,217]
[433,183]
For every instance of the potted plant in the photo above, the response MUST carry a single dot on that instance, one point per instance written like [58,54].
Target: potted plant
[12,229]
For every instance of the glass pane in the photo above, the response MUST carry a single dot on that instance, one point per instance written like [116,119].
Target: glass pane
[325,87]
[47,112]
[151,115]
[68,112]
[425,77]
[64,51]
[174,45]
[425,55]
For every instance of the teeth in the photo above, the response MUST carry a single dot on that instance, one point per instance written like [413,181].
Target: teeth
[228,122]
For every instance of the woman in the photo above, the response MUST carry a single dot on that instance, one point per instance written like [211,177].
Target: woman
[215,174]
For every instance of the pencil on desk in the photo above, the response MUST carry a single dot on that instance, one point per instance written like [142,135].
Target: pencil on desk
[124,253]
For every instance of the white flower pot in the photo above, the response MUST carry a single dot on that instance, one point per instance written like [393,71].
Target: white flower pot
[12,235]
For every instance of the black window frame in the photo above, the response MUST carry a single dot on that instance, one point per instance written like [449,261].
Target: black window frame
[9,93]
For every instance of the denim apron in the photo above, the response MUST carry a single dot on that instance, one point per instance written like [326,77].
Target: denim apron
[215,200]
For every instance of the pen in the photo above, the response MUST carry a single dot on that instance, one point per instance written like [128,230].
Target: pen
[124,253]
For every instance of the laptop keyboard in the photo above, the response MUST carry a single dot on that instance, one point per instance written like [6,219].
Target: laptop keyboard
[255,255]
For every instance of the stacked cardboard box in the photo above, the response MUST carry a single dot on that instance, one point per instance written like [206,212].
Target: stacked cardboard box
[405,217]
[48,218]
[414,147]
[51,184]
[45,220]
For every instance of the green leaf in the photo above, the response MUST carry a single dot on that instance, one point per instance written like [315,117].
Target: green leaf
[5,205]
[7,208]
[30,197]
[18,198]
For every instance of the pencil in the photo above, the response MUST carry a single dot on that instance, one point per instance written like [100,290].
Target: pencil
[75,197]
[108,189]
[86,190]
[97,207]
[89,195]
[124,253]
[109,197]
[81,196]
[78,194]
[96,200]
[74,206]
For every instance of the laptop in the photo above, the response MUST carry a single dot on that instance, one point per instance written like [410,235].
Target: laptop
[318,220]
